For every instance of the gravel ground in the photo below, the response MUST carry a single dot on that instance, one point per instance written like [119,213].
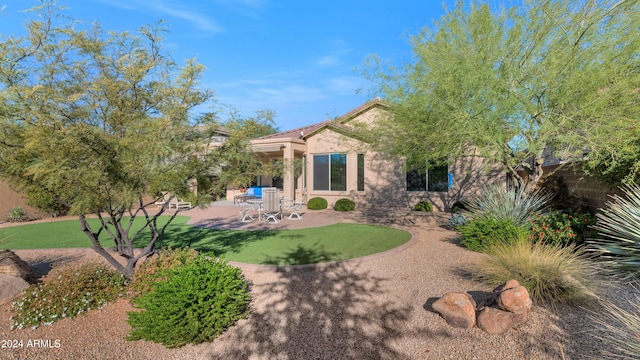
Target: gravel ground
[373,308]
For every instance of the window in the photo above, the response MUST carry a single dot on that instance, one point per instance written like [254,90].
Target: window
[360,172]
[330,172]
[433,178]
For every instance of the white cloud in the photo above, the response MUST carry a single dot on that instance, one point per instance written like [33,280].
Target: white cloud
[171,9]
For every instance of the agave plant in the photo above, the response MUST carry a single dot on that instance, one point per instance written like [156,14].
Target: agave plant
[517,204]
[619,230]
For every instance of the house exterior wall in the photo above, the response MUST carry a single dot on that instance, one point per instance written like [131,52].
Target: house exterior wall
[385,179]
[10,199]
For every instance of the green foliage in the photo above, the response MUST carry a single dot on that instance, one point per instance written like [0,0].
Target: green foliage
[67,292]
[619,328]
[459,206]
[42,200]
[551,273]
[501,202]
[480,233]
[619,229]
[344,205]
[559,228]
[317,203]
[16,214]
[423,206]
[514,83]
[152,270]
[191,303]
[102,120]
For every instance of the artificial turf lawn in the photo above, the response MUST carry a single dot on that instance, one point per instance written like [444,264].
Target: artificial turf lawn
[280,247]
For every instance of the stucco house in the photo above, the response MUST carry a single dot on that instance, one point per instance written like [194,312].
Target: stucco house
[337,164]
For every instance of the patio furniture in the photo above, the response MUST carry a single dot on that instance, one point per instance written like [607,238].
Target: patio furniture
[257,204]
[180,204]
[271,204]
[294,207]
[245,211]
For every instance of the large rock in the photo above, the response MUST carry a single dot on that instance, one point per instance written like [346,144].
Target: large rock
[11,264]
[457,308]
[514,298]
[496,321]
[11,287]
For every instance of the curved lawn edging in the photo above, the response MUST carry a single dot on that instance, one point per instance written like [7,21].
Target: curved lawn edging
[324,265]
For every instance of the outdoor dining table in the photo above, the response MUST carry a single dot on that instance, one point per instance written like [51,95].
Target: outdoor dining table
[256,203]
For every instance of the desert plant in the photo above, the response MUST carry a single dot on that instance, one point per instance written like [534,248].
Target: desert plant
[191,303]
[317,203]
[619,328]
[457,219]
[550,273]
[16,214]
[477,234]
[67,292]
[423,206]
[344,205]
[506,202]
[619,229]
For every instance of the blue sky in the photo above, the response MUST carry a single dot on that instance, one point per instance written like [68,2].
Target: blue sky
[296,57]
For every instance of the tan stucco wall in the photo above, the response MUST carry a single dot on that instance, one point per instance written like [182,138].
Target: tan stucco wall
[385,179]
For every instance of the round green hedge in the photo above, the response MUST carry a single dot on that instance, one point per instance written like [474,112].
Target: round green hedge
[191,303]
[317,203]
[344,205]
[423,206]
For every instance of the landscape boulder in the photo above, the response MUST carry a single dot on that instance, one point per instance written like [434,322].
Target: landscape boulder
[515,299]
[496,321]
[11,287]
[457,308]
[11,264]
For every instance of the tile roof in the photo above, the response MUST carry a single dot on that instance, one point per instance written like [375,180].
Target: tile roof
[301,132]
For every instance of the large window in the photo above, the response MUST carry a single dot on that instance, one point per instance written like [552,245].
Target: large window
[429,178]
[330,172]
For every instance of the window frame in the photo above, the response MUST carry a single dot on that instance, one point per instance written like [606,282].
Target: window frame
[329,177]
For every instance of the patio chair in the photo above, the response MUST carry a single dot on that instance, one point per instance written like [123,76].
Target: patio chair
[271,208]
[294,207]
[245,211]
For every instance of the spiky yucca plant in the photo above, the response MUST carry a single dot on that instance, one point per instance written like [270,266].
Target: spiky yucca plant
[619,230]
[507,202]
[620,329]
[550,273]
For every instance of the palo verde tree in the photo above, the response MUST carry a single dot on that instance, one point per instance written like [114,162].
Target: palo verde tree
[97,121]
[516,85]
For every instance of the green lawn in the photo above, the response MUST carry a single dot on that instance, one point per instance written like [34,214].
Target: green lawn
[281,247]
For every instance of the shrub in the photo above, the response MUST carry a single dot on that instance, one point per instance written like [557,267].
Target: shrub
[16,214]
[317,203]
[344,205]
[67,292]
[620,228]
[477,234]
[457,220]
[150,271]
[423,206]
[517,204]
[558,228]
[550,273]
[459,206]
[620,329]
[191,303]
